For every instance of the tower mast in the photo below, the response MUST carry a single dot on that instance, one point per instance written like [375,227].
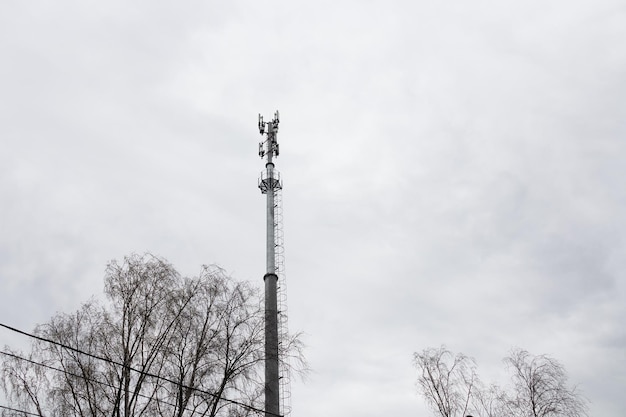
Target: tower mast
[270,184]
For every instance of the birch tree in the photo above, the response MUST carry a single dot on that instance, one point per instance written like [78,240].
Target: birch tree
[538,387]
[161,345]
[446,381]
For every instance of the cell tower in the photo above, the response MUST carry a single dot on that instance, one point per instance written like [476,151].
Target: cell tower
[277,394]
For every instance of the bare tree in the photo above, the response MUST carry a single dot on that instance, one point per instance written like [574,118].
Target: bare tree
[128,335]
[76,388]
[24,385]
[540,388]
[447,381]
[490,402]
[162,345]
[216,345]
[137,328]
[450,385]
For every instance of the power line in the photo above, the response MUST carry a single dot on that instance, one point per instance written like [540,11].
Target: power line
[43,365]
[19,411]
[91,355]
[43,339]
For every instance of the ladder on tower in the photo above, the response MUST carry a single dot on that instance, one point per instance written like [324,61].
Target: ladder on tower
[283,328]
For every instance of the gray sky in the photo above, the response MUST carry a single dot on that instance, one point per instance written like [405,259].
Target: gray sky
[453,174]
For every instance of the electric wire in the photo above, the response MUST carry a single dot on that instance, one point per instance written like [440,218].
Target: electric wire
[148,374]
[234,402]
[19,411]
[43,365]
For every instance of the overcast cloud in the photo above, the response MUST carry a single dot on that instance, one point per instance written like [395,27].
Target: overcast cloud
[453,174]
